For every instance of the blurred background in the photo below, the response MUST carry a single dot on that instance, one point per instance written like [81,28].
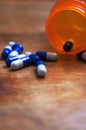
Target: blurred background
[24,16]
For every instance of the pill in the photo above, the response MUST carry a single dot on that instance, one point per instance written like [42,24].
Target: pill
[16,49]
[15,45]
[20,63]
[82,55]
[9,60]
[34,58]
[41,68]
[68,46]
[51,56]
[15,52]
[6,51]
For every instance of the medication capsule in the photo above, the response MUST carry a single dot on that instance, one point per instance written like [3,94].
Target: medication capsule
[34,58]
[15,45]
[9,60]
[41,68]
[82,55]
[11,43]
[20,63]
[6,51]
[16,49]
[51,56]
[68,46]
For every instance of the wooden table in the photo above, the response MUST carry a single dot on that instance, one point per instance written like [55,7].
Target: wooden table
[55,102]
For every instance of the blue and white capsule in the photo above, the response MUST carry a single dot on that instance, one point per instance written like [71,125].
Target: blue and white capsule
[41,68]
[6,51]
[9,60]
[34,58]
[16,49]
[82,55]
[51,56]
[15,45]
[20,63]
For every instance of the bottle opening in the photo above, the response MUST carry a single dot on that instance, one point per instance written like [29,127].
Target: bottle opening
[69,24]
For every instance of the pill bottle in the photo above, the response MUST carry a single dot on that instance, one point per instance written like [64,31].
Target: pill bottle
[67,22]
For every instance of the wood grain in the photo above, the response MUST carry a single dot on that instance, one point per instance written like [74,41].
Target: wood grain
[56,102]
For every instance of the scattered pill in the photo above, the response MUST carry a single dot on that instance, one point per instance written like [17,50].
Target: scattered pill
[6,51]
[51,56]
[15,45]
[20,63]
[16,49]
[15,60]
[34,58]
[41,68]
[9,60]
[68,46]
[82,55]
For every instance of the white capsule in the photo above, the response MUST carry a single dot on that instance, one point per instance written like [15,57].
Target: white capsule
[52,56]
[17,64]
[83,56]
[41,70]
[13,53]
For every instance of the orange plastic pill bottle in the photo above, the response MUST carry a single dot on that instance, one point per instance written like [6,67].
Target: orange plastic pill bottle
[67,22]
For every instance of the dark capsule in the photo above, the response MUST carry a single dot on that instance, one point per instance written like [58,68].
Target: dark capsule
[42,55]
[68,46]
[34,58]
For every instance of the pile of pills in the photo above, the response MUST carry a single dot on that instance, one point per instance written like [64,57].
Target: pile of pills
[12,54]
